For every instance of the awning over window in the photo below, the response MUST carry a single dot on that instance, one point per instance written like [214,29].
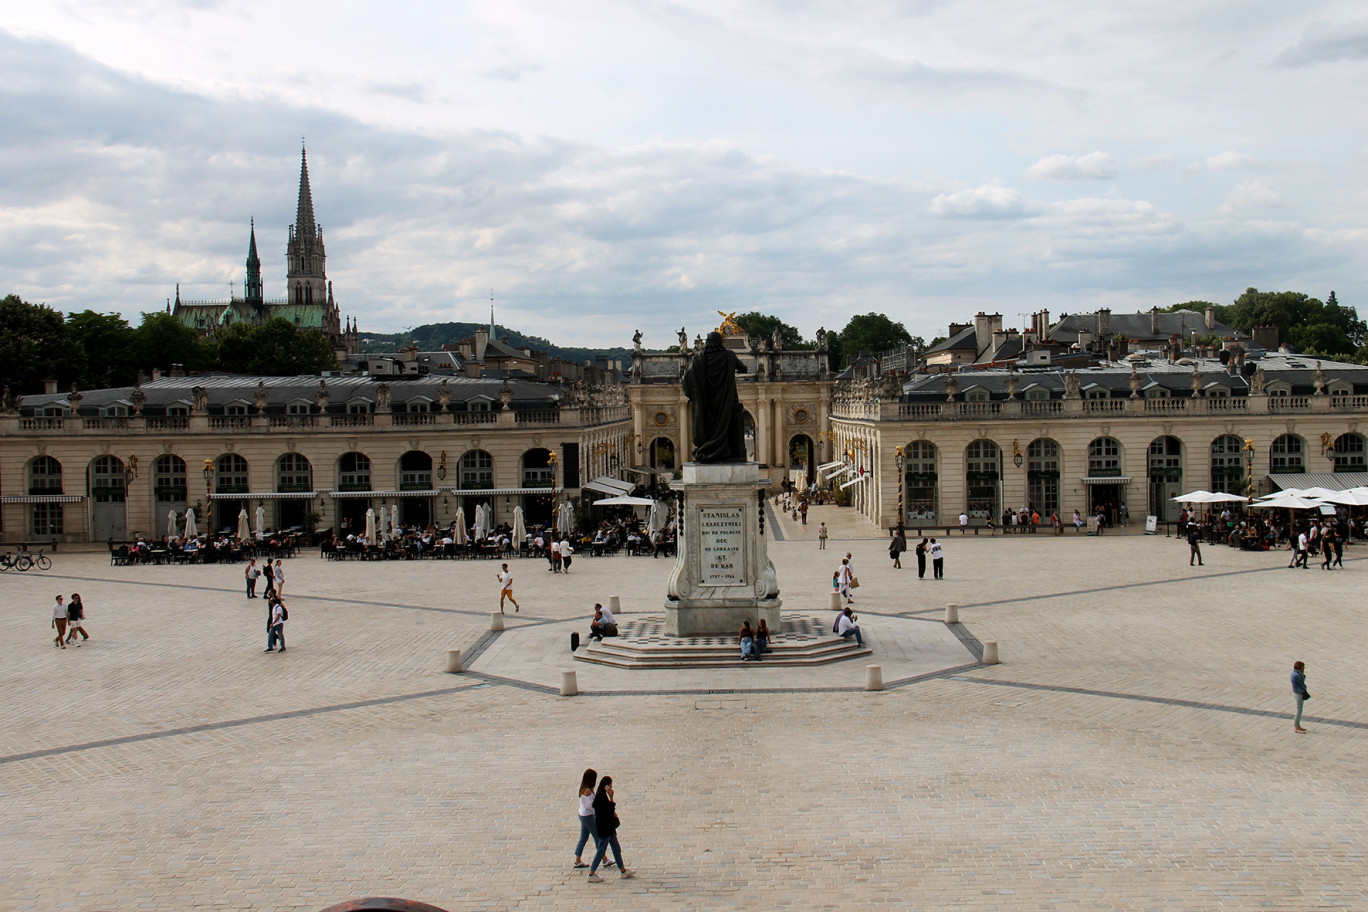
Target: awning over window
[42,498]
[1107,480]
[855,481]
[476,492]
[336,495]
[1334,481]
[267,495]
[606,484]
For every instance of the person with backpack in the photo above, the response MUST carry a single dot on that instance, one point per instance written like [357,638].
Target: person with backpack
[275,627]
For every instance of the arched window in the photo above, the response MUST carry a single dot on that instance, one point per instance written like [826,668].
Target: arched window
[1287,455]
[1227,472]
[921,480]
[1165,466]
[415,471]
[477,470]
[107,483]
[537,471]
[294,474]
[983,471]
[168,479]
[231,474]
[1349,453]
[354,472]
[1042,475]
[45,475]
[662,453]
[1104,457]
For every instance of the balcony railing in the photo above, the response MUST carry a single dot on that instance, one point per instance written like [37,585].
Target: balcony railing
[413,419]
[229,422]
[168,423]
[292,421]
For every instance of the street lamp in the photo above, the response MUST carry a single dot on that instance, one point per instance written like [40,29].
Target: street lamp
[901,458]
[1249,465]
[1016,453]
[208,478]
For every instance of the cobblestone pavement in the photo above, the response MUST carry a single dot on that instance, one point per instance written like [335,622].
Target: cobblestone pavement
[1133,751]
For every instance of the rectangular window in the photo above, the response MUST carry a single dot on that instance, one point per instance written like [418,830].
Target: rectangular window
[47,519]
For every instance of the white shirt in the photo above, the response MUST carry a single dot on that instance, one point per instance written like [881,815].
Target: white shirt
[277,614]
[936,552]
[846,574]
[964,519]
[608,616]
[844,623]
[59,611]
[1302,542]
[506,579]
[566,550]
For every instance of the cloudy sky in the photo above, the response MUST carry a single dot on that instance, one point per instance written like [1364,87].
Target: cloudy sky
[607,165]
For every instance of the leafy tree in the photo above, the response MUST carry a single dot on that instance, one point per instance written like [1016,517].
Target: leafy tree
[109,346]
[1308,324]
[763,326]
[33,347]
[162,340]
[867,332]
[275,348]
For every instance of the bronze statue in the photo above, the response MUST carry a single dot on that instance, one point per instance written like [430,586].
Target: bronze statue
[718,419]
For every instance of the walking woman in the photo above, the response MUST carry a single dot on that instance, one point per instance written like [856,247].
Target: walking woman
[921,559]
[59,622]
[1299,693]
[586,816]
[76,619]
[606,822]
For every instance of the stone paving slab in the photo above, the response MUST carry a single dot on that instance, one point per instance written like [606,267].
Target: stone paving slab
[1133,751]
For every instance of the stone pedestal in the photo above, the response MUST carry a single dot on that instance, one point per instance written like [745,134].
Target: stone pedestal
[722,574]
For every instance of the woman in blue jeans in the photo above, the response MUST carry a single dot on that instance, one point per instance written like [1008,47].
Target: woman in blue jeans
[1299,693]
[586,816]
[606,820]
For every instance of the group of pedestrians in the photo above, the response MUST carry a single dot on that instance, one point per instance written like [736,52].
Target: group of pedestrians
[1322,538]
[274,573]
[598,818]
[68,619]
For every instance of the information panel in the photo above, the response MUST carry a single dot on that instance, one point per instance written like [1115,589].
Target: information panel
[721,531]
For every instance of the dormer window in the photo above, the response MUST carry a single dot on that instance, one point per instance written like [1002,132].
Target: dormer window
[235,410]
[114,411]
[297,408]
[178,411]
[419,407]
[1037,394]
[976,395]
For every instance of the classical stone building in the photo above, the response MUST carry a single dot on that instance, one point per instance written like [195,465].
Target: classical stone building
[105,464]
[786,395]
[309,302]
[1135,432]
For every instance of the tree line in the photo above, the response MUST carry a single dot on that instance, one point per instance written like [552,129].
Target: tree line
[93,350]
[1311,326]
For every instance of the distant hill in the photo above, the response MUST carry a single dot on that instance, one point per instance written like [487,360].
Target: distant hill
[432,336]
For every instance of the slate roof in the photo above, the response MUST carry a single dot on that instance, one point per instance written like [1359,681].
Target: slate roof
[1137,326]
[223,389]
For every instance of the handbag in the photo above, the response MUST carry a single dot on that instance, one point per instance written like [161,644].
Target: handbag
[854,582]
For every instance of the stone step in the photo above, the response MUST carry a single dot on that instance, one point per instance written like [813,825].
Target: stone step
[684,655]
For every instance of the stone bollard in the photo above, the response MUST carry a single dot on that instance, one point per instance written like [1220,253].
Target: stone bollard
[569,686]
[496,620]
[454,662]
[873,677]
[952,614]
[990,653]
[835,601]
[614,604]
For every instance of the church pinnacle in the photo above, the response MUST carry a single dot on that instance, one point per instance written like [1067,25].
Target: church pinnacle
[251,286]
[304,215]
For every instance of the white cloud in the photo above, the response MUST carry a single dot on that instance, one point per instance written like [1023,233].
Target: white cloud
[1250,194]
[1230,161]
[1093,166]
[988,201]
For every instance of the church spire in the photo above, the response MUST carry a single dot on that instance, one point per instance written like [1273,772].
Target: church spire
[251,286]
[304,215]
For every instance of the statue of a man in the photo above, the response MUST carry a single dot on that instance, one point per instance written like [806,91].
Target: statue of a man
[710,384]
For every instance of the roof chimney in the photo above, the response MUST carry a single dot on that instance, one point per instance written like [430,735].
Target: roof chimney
[1210,317]
[1154,320]
[1103,322]
[50,387]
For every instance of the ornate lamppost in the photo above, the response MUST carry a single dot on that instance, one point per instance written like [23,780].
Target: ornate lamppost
[901,459]
[1249,466]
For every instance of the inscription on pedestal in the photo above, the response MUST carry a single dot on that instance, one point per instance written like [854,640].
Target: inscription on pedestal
[721,532]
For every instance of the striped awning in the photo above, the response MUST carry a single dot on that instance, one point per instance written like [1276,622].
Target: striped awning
[431,492]
[608,485]
[476,492]
[1333,481]
[41,498]
[1107,479]
[854,481]
[267,495]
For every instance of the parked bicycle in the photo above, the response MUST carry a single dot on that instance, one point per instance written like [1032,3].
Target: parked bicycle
[24,560]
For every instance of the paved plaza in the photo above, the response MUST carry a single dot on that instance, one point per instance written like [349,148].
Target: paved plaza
[1134,749]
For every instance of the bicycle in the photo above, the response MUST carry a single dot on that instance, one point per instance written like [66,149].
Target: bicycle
[6,561]
[25,560]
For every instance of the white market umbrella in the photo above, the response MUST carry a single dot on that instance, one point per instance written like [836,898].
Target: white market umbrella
[1285,501]
[171,523]
[460,537]
[484,515]
[655,519]
[624,500]
[1225,497]
[243,533]
[519,527]
[1200,495]
[565,517]
[1354,497]
[190,531]
[370,525]
[260,522]
[384,522]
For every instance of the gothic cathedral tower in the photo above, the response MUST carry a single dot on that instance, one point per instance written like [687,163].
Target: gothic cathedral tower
[306,279]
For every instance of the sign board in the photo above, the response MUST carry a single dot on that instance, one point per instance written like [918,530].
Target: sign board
[722,540]
[1151,525]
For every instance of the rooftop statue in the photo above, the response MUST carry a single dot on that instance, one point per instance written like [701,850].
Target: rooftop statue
[710,385]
